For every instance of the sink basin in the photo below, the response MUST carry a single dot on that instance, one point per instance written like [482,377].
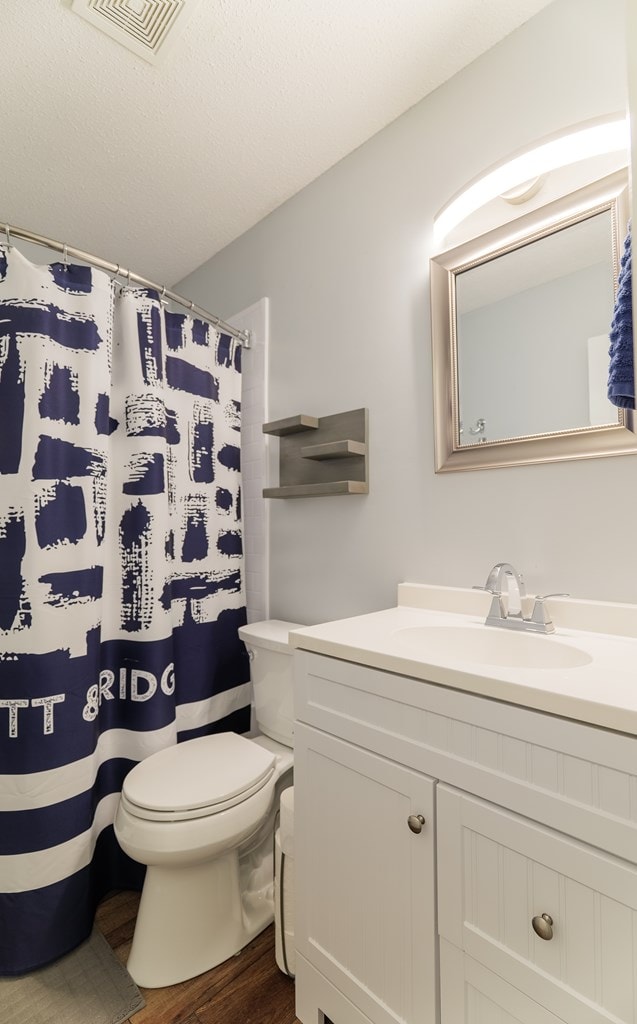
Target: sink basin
[486,645]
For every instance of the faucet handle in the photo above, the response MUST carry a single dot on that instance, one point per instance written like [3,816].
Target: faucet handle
[540,614]
[497,610]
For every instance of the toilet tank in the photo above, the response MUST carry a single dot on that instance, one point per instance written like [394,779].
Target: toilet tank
[271,674]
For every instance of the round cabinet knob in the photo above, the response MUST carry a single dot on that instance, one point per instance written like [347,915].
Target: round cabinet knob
[416,822]
[543,926]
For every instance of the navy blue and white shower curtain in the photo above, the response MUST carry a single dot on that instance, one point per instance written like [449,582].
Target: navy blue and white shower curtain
[120,576]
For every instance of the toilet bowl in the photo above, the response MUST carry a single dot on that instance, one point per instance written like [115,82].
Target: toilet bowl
[201,815]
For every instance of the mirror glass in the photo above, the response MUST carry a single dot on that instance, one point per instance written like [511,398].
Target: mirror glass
[520,324]
[532,336]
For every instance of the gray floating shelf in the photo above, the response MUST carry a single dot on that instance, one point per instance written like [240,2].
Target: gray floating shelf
[291,425]
[333,450]
[312,470]
[317,490]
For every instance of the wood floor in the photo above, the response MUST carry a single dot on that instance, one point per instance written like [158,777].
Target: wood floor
[247,989]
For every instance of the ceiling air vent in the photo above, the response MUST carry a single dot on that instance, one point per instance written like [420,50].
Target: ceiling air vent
[142,26]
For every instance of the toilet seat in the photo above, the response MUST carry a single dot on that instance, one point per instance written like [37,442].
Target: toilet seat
[198,778]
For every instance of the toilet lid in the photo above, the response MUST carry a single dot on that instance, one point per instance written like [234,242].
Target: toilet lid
[199,774]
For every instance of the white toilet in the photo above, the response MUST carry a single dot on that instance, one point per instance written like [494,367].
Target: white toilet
[201,815]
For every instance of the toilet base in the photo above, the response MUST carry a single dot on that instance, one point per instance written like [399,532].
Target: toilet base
[189,920]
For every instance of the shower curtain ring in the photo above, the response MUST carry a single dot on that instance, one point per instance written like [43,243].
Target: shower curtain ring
[162,297]
[65,256]
[7,231]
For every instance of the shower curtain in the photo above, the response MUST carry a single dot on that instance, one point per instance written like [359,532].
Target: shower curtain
[120,576]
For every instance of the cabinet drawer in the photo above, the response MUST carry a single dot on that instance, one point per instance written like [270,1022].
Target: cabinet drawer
[498,871]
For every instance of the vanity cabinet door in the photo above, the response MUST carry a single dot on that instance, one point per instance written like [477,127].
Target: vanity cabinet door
[365,878]
[471,994]
[553,917]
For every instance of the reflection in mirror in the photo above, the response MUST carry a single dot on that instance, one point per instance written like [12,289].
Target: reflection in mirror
[532,335]
[520,321]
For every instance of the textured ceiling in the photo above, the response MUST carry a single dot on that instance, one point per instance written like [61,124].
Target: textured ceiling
[157,168]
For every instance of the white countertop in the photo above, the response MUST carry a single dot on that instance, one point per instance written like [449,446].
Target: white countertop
[602,692]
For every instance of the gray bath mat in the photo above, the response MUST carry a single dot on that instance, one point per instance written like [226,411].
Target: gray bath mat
[88,986]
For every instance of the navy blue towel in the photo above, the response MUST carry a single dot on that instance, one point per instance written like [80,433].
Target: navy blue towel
[621,376]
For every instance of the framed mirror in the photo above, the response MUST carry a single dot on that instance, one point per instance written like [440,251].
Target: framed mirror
[520,322]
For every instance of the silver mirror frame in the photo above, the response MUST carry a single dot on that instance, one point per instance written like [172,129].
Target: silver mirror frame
[608,194]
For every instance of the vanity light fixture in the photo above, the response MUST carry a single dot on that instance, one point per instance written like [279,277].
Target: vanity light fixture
[592,139]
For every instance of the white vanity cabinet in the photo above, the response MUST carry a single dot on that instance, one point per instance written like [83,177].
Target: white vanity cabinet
[526,814]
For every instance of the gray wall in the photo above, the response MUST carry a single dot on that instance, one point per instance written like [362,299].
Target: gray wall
[345,266]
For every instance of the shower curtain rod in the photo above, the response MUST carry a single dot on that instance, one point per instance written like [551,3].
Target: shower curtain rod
[243,337]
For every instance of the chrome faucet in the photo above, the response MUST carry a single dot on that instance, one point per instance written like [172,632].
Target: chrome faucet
[506,582]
